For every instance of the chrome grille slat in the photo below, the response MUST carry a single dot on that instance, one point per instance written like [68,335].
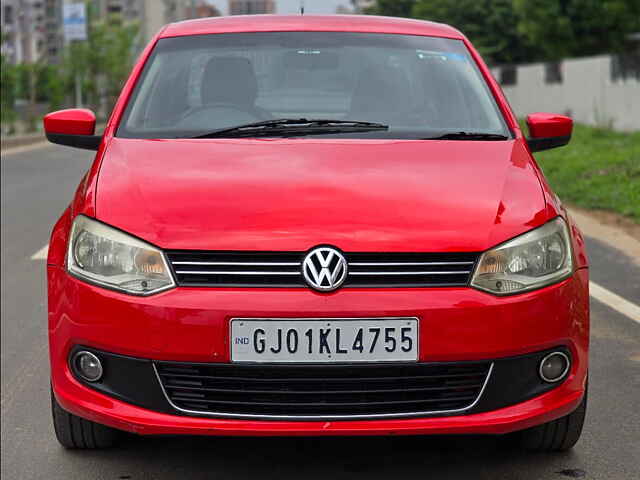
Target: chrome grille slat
[195,272]
[344,380]
[246,403]
[405,264]
[241,264]
[461,272]
[283,269]
[320,392]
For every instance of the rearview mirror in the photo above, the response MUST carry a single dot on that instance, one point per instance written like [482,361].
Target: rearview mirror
[74,127]
[311,60]
[548,130]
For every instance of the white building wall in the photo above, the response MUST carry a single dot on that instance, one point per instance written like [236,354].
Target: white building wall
[23,32]
[587,93]
[154,18]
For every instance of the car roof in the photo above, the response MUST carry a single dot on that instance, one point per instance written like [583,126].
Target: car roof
[317,23]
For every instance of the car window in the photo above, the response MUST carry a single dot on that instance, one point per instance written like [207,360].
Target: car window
[419,86]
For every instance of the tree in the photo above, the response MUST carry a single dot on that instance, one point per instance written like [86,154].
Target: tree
[101,63]
[26,80]
[35,82]
[516,31]
[53,86]
[19,81]
[392,8]
[492,26]
[114,43]
[564,28]
[8,84]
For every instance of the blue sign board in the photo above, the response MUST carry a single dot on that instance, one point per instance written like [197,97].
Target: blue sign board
[74,20]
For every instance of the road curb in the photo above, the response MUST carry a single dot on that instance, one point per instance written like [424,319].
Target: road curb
[22,143]
[612,236]
[24,148]
[8,143]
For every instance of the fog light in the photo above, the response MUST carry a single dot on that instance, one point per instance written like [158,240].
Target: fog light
[554,367]
[88,366]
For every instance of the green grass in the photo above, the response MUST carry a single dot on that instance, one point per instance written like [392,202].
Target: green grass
[599,169]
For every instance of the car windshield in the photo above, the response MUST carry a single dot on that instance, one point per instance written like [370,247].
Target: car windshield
[415,86]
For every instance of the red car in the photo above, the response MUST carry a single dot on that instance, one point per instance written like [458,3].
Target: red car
[300,225]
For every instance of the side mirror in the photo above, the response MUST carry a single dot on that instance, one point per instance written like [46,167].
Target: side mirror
[548,130]
[74,127]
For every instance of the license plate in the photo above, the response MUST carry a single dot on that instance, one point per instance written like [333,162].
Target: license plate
[324,340]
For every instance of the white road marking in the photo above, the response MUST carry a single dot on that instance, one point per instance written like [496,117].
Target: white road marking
[614,301]
[41,254]
[598,292]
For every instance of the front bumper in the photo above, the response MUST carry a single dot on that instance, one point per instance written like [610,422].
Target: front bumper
[191,325]
[106,410]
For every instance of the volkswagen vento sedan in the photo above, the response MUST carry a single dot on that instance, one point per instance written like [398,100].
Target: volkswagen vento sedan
[315,226]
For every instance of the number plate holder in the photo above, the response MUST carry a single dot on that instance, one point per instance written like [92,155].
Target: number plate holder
[324,340]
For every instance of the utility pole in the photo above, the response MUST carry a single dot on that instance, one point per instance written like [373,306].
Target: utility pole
[78,89]
[75,30]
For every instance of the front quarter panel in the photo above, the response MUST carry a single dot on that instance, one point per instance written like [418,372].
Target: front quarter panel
[58,240]
[577,240]
[556,208]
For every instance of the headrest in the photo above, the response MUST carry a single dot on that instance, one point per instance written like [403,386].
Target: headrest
[380,90]
[229,80]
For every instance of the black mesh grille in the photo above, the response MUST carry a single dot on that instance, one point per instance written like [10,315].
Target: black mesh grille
[322,390]
[282,269]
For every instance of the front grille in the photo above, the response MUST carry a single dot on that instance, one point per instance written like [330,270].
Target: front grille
[283,269]
[323,391]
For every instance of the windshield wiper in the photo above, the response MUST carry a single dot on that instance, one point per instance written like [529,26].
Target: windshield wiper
[469,136]
[294,126]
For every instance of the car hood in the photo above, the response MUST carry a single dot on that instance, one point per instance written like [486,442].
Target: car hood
[293,194]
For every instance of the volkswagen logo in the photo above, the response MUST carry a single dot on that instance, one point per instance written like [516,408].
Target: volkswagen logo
[324,269]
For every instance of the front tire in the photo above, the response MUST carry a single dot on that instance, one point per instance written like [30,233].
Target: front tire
[74,432]
[558,435]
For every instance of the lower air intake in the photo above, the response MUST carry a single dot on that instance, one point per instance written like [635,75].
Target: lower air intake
[322,391]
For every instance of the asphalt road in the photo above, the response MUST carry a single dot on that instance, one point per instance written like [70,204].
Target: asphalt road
[36,187]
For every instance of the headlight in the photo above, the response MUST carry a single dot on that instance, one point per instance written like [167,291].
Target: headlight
[111,258]
[533,260]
